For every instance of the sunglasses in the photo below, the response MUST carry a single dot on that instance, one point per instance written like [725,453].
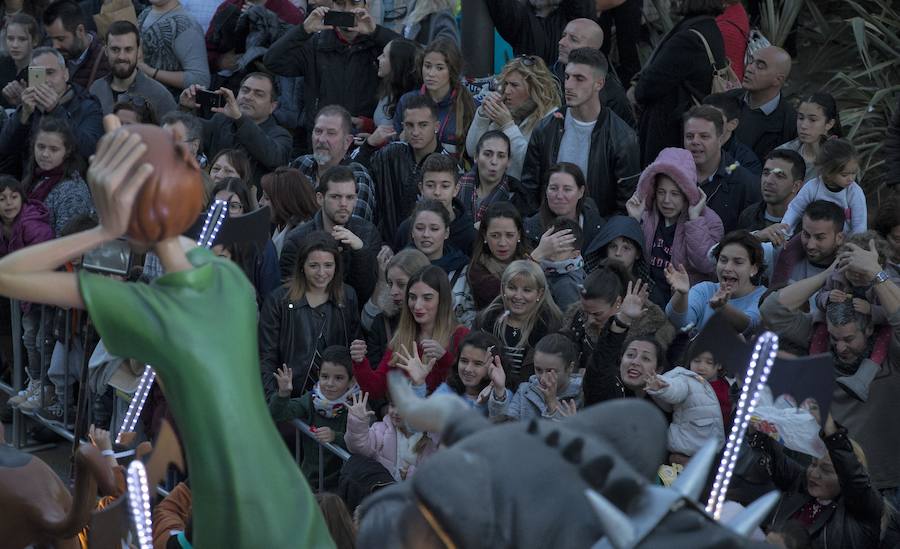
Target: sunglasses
[527,60]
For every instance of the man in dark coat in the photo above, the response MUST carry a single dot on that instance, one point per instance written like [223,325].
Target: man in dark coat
[588,135]
[535,27]
[65,24]
[338,65]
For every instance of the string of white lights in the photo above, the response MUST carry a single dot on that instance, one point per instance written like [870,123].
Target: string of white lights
[139,504]
[766,348]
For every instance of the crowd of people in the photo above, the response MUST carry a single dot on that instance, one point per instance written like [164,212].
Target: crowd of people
[550,240]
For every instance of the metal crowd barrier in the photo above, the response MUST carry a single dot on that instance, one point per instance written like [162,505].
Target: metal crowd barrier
[304,429]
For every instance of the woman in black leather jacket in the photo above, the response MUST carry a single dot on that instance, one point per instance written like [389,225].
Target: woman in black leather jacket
[312,311]
[832,498]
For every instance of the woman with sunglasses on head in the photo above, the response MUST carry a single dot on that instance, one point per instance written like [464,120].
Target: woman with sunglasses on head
[259,264]
[309,313]
[441,69]
[527,93]
[427,324]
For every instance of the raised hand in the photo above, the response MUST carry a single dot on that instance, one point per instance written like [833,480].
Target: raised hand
[231,109]
[568,408]
[775,233]
[554,243]
[358,350]
[547,387]
[635,298]
[719,299]
[655,383]
[345,236]
[188,97]
[859,260]
[381,135]
[497,375]
[412,364]
[432,350]
[100,438]
[114,181]
[635,206]
[365,24]
[285,378]
[837,296]
[359,406]
[696,210]
[314,20]
[678,279]
[385,254]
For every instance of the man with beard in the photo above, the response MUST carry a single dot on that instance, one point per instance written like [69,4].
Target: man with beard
[857,345]
[331,140]
[65,25]
[246,123]
[359,239]
[587,134]
[782,177]
[125,81]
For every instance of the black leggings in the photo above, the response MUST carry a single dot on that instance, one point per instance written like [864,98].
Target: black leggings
[627,20]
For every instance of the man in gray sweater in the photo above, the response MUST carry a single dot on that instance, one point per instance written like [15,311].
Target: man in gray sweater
[174,46]
[125,82]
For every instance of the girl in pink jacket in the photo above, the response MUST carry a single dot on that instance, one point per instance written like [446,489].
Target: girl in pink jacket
[678,227]
[390,441]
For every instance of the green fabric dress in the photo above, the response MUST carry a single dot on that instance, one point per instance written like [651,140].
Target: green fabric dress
[197,328]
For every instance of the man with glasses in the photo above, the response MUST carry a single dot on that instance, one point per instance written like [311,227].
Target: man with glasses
[187,131]
[125,82]
[246,122]
[339,65]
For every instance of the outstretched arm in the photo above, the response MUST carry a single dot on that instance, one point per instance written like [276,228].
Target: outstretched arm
[30,274]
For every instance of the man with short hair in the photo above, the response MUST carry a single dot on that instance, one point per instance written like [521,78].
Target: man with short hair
[535,27]
[65,25]
[359,239]
[782,177]
[57,97]
[767,118]
[814,248]
[397,167]
[246,123]
[188,131]
[585,33]
[332,138]
[588,135]
[173,45]
[731,111]
[339,65]
[123,50]
[729,187]
[440,181]
[860,349]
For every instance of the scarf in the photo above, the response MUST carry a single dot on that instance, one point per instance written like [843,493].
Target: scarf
[876,348]
[46,182]
[564,266]
[331,408]
[493,265]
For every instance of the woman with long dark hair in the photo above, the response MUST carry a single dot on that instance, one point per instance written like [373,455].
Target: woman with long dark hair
[818,120]
[291,199]
[308,314]
[501,240]
[399,74]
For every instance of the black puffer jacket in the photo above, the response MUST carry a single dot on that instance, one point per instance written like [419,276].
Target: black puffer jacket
[329,66]
[678,70]
[359,266]
[851,520]
[293,333]
[527,33]
[613,160]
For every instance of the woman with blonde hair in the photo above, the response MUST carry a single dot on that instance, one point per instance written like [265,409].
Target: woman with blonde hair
[527,93]
[427,324]
[520,316]
[441,68]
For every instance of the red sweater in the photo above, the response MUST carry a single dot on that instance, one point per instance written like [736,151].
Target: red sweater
[720,386]
[375,381]
[734,24]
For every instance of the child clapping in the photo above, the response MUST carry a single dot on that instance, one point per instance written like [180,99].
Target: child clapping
[324,409]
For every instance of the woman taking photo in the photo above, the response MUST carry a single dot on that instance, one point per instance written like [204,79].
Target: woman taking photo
[499,243]
[21,36]
[381,312]
[308,314]
[527,93]
[291,201]
[441,76]
[52,176]
[399,74]
[426,323]
[564,196]
[520,316]
[818,120]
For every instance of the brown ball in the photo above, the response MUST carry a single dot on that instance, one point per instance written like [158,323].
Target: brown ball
[172,197]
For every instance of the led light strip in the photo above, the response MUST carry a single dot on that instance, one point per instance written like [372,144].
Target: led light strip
[766,348]
[139,504]
[219,211]
[137,402]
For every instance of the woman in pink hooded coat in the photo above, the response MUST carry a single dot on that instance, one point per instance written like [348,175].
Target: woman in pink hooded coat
[678,227]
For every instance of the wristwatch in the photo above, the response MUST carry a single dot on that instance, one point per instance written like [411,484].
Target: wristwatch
[880,276]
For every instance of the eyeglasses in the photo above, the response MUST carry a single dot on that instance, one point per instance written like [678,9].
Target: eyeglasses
[235,206]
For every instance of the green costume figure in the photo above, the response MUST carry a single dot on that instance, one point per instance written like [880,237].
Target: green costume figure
[196,326]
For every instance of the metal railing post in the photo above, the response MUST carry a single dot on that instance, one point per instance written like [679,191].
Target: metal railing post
[18,425]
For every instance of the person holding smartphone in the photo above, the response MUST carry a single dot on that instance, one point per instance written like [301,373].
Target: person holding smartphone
[338,45]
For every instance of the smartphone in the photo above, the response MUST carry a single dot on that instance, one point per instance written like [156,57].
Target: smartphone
[209,100]
[37,76]
[342,19]
[114,257]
